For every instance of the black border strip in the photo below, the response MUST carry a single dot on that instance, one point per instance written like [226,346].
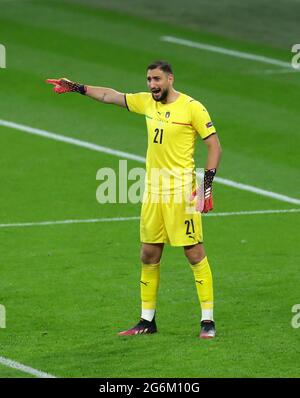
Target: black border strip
[126,103]
[209,136]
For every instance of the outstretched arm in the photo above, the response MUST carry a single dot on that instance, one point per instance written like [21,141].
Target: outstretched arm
[106,95]
[102,94]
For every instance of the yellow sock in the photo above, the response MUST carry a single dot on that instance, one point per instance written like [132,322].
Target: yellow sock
[149,286]
[204,285]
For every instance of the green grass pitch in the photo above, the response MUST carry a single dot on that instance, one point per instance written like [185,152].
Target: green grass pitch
[68,289]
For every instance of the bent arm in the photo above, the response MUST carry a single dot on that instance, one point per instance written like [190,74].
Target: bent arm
[214,151]
[106,95]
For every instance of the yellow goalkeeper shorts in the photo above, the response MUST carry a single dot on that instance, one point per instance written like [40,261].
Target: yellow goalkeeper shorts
[165,221]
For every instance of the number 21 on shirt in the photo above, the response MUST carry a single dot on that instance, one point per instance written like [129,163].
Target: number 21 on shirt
[158,138]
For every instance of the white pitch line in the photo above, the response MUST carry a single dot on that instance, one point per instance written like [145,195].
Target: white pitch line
[25,369]
[271,71]
[45,223]
[131,156]
[69,140]
[226,51]
[259,191]
[97,220]
[250,212]
[279,71]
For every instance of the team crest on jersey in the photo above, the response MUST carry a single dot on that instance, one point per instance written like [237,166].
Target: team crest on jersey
[167,115]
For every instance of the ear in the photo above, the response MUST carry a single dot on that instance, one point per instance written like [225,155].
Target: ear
[171,78]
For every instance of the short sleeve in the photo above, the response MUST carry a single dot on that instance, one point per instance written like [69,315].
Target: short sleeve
[201,120]
[137,102]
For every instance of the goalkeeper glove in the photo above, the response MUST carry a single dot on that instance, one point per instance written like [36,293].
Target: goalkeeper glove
[204,202]
[64,85]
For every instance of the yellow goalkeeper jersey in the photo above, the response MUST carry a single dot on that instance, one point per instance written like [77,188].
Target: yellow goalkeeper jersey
[172,132]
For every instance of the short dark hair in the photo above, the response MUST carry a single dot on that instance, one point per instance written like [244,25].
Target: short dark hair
[162,65]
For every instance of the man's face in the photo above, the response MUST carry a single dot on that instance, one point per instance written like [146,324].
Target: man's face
[159,83]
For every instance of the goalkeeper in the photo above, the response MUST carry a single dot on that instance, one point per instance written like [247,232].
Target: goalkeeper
[174,120]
